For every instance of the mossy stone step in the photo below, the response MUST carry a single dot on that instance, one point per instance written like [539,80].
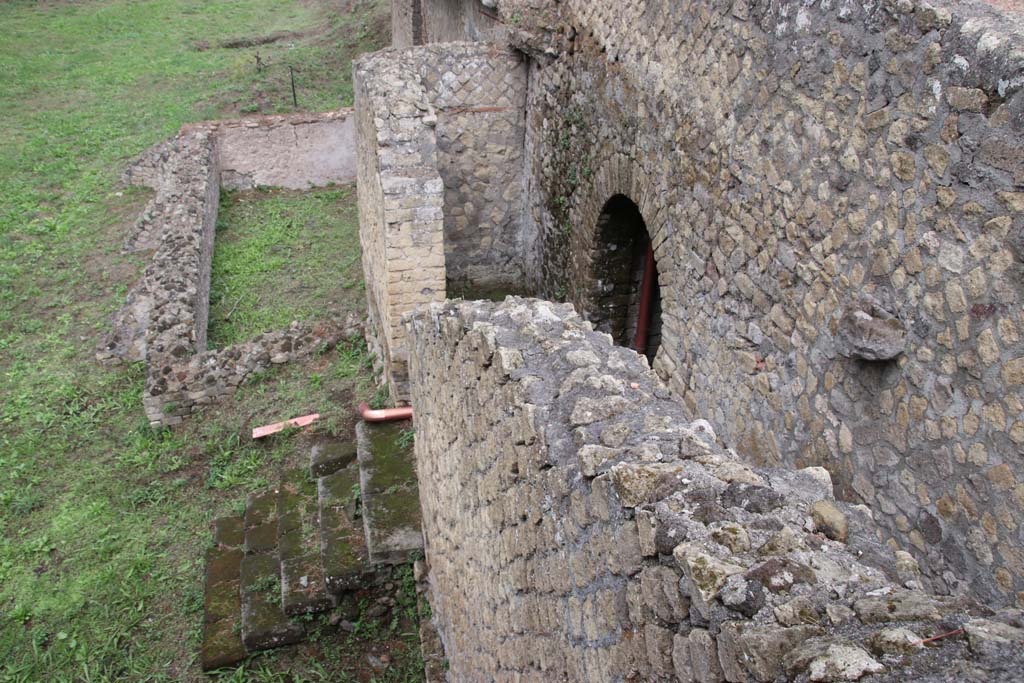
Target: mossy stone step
[390,494]
[330,454]
[303,590]
[343,554]
[222,642]
[261,522]
[264,623]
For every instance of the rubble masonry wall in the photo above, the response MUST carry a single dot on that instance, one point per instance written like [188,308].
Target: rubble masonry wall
[164,320]
[798,164]
[577,528]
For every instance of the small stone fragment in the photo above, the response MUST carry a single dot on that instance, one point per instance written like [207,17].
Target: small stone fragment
[732,536]
[782,543]
[706,574]
[868,332]
[843,663]
[637,484]
[703,656]
[829,520]
[894,641]
[989,637]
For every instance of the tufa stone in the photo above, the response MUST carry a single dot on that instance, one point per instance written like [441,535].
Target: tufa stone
[829,520]
[868,332]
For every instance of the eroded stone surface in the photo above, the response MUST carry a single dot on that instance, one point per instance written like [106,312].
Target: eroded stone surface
[544,568]
[389,492]
[869,332]
[298,545]
[328,455]
[343,553]
[264,623]
[222,644]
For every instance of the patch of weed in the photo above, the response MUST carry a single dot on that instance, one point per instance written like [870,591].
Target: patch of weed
[103,522]
[282,256]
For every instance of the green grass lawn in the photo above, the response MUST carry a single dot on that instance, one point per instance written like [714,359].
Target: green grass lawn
[102,520]
[282,256]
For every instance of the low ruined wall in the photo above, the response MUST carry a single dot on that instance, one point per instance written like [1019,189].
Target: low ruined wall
[441,135]
[164,320]
[577,529]
[166,311]
[177,387]
[824,183]
[297,151]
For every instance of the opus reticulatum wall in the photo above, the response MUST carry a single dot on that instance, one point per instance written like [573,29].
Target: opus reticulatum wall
[441,143]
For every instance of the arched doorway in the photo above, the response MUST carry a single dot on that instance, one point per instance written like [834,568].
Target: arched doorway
[627,299]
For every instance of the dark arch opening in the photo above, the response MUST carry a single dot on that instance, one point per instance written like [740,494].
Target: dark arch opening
[627,301]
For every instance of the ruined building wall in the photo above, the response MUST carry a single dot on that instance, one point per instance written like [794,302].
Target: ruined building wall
[446,21]
[479,94]
[805,172]
[400,200]
[296,151]
[576,529]
[166,311]
[406,23]
[164,320]
[419,22]
[441,139]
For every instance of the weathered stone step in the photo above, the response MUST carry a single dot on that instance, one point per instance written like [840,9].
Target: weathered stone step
[222,644]
[303,590]
[330,454]
[264,623]
[343,554]
[261,522]
[389,492]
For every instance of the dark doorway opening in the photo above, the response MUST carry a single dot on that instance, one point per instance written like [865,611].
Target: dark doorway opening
[627,301]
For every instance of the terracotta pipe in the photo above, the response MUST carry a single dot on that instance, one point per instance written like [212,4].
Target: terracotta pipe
[643,322]
[384,414]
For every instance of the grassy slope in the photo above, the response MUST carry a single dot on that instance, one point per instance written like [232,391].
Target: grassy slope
[102,521]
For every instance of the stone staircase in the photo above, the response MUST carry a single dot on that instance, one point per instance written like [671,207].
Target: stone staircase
[300,547]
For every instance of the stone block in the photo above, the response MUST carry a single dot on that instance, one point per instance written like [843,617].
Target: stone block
[746,651]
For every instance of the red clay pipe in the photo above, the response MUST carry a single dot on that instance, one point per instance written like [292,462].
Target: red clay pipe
[643,322]
[384,414]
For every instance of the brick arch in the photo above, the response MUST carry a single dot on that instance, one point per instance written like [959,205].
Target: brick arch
[616,222]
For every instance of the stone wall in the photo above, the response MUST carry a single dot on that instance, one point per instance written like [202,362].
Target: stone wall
[297,151]
[177,387]
[827,186]
[441,139]
[479,94]
[406,23]
[446,21]
[578,528]
[164,320]
[166,312]
[400,199]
